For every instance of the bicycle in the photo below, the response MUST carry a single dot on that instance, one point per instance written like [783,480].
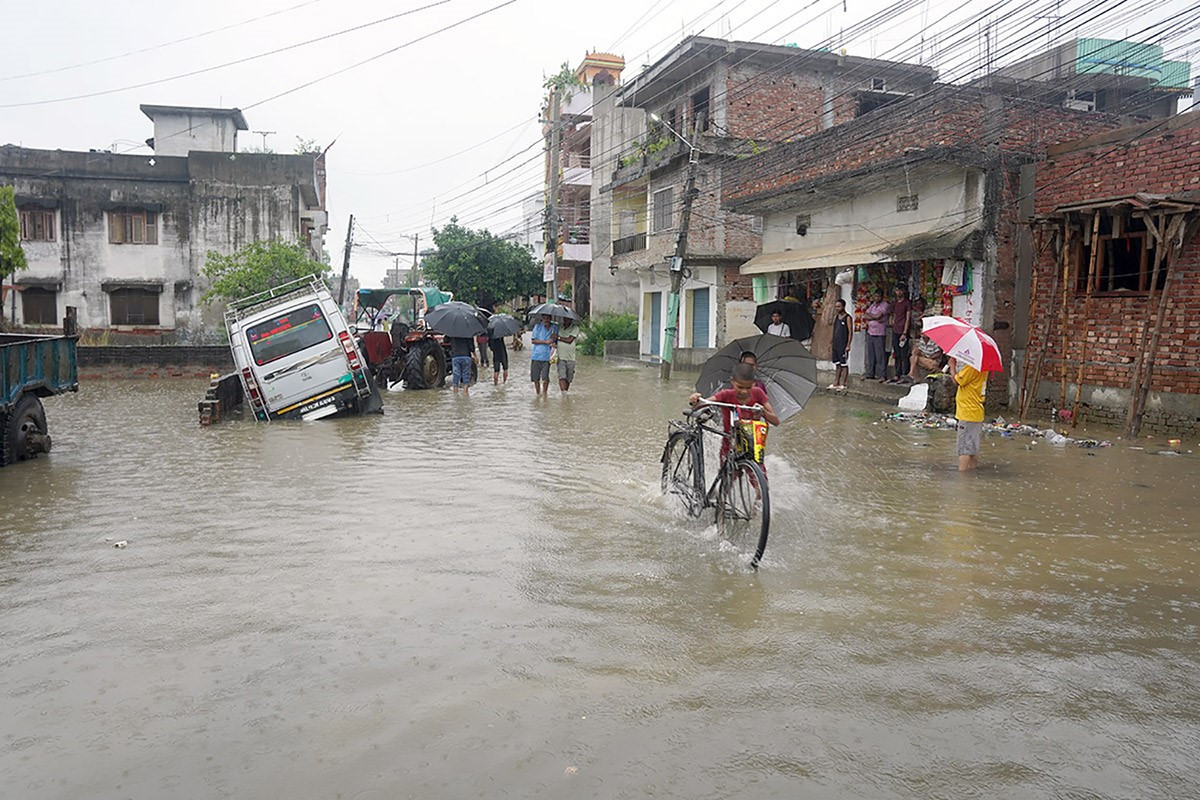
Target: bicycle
[738,494]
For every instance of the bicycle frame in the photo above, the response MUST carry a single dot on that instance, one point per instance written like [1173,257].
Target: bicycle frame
[694,430]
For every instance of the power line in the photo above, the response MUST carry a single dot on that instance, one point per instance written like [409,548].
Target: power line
[181,40]
[244,60]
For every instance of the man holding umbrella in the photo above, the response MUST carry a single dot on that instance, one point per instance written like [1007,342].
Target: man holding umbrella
[544,335]
[499,326]
[979,354]
[460,323]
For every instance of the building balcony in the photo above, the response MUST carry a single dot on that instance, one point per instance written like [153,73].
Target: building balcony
[629,244]
[576,253]
[579,104]
[577,176]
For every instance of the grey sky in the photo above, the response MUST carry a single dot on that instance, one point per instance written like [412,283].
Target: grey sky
[427,102]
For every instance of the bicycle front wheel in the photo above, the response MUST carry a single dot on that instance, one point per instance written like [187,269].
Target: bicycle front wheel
[744,507]
[681,471]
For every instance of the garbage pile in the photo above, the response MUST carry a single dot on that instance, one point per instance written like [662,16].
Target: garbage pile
[1000,426]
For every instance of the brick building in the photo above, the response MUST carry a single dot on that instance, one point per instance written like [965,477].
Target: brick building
[922,194]
[728,99]
[1115,252]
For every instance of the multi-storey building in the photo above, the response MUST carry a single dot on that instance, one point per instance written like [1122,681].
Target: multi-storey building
[124,238]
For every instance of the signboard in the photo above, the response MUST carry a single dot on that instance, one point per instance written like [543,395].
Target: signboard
[548,267]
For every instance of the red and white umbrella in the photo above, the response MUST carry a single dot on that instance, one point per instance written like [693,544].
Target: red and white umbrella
[963,341]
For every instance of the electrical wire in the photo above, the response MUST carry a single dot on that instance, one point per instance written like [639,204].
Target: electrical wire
[235,62]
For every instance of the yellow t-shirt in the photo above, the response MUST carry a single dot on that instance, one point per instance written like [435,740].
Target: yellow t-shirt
[972,386]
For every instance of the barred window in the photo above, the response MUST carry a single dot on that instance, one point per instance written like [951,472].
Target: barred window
[664,210]
[906,202]
[134,306]
[133,227]
[39,306]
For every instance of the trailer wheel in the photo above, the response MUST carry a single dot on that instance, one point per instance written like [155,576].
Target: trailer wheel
[25,434]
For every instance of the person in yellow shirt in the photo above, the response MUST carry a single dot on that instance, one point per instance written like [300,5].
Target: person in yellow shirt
[968,410]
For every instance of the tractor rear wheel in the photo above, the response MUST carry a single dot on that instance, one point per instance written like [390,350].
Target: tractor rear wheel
[425,366]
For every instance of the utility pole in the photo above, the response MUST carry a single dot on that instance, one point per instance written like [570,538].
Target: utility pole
[346,260]
[416,270]
[685,218]
[551,273]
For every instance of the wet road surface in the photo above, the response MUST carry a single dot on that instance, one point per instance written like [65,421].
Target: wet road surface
[489,598]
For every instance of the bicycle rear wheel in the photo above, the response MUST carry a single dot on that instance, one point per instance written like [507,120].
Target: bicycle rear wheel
[744,507]
[681,471]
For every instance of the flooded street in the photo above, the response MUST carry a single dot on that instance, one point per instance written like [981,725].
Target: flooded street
[489,598]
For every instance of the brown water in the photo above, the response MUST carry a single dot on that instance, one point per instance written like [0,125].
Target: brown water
[488,598]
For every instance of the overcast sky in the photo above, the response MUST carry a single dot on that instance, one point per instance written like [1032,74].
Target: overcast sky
[466,98]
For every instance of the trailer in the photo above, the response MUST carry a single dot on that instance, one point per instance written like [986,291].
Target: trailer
[31,367]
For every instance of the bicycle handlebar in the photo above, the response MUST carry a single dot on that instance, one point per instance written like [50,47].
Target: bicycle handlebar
[757,407]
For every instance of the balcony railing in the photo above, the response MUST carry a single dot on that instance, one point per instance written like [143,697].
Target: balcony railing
[629,244]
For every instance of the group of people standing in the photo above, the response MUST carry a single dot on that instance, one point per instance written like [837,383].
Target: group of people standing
[552,342]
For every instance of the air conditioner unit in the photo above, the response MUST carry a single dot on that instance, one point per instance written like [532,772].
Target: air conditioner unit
[1079,105]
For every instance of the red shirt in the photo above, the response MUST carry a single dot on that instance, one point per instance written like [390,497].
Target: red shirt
[757,397]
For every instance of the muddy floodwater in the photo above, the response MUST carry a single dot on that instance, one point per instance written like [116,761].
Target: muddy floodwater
[489,598]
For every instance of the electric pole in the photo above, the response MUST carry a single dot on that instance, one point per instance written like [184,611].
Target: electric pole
[346,261]
[264,134]
[685,218]
[416,270]
[551,273]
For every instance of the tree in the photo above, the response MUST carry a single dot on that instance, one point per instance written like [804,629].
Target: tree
[12,257]
[257,267]
[480,268]
[307,147]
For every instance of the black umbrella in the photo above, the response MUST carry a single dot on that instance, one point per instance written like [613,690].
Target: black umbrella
[455,319]
[501,325]
[555,310]
[784,365]
[794,313]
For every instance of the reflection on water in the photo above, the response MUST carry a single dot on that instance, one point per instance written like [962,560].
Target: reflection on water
[488,597]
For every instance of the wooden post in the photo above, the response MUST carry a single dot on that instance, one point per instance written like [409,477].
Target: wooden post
[1157,233]
[1023,402]
[1062,322]
[1087,310]
[1179,232]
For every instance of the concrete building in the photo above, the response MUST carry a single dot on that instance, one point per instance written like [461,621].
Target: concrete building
[595,73]
[729,100]
[124,237]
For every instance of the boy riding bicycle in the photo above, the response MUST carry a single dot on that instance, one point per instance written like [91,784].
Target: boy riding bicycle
[752,401]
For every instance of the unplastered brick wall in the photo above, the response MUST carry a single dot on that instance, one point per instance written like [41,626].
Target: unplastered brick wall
[950,118]
[1156,159]
[771,106]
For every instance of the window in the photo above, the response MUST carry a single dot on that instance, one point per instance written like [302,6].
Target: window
[906,202]
[878,85]
[700,109]
[39,306]
[281,336]
[1123,264]
[134,306]
[133,227]
[37,226]
[756,224]
[664,207]
[803,221]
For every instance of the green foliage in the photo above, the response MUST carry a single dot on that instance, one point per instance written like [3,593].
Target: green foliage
[257,267]
[658,145]
[480,268]
[307,147]
[564,79]
[12,257]
[604,327]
